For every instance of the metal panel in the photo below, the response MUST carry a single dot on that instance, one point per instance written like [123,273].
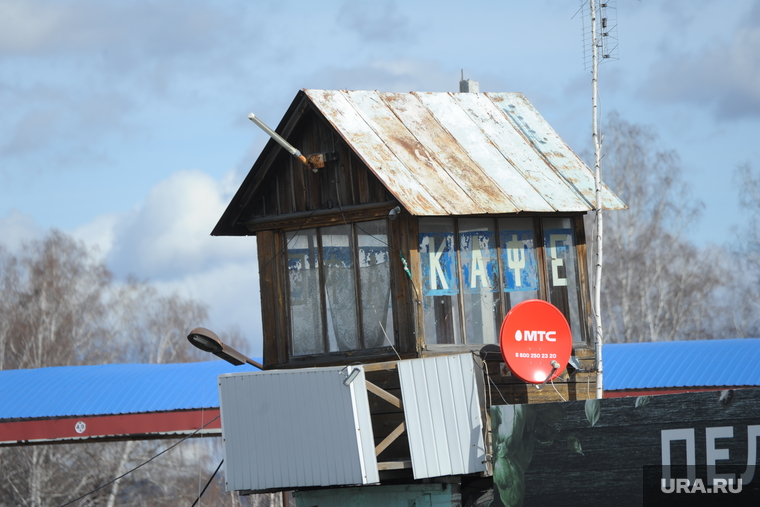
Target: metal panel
[525,118]
[296,428]
[373,152]
[395,495]
[417,158]
[734,362]
[463,153]
[452,153]
[110,389]
[442,407]
[533,167]
[492,162]
[445,149]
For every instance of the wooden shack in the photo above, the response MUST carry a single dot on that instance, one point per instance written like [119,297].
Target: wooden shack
[423,219]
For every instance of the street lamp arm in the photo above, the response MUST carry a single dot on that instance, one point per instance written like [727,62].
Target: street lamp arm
[208,341]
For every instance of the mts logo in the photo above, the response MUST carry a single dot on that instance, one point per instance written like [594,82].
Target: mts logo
[535,336]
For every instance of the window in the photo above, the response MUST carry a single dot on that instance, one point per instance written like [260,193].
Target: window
[474,270]
[340,288]
[562,270]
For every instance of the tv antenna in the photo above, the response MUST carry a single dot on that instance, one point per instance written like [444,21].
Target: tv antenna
[605,32]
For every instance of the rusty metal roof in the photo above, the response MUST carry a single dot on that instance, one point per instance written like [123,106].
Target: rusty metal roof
[462,153]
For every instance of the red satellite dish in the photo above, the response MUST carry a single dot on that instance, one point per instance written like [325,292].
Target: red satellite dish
[533,335]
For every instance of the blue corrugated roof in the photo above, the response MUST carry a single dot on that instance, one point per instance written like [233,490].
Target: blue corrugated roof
[68,391]
[111,389]
[734,362]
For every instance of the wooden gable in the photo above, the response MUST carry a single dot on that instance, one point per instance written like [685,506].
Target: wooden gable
[280,191]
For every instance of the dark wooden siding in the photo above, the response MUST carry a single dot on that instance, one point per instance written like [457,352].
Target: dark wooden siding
[274,312]
[289,187]
[510,389]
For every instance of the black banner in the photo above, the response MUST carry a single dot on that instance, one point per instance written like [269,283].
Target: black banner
[679,449]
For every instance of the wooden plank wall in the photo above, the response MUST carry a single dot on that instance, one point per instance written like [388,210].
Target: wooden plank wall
[273,308]
[289,187]
[510,389]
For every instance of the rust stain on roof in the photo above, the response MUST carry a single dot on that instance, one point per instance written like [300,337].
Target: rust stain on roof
[462,153]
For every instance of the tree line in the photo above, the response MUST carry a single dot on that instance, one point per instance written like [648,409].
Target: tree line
[59,306]
[657,284]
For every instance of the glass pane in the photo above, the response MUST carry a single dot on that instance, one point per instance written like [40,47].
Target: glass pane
[375,282]
[440,281]
[519,262]
[305,293]
[562,270]
[340,288]
[480,280]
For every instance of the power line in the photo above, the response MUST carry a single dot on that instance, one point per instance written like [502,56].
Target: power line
[140,465]
[209,482]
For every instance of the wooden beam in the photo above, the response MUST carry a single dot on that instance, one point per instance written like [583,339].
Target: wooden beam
[386,366]
[390,438]
[394,465]
[320,217]
[379,391]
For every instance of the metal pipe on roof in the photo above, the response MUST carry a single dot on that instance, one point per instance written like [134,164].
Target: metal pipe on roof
[279,140]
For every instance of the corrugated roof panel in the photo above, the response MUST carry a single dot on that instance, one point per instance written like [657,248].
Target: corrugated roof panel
[534,168]
[734,362]
[337,109]
[481,150]
[442,398]
[415,156]
[110,389]
[525,118]
[448,153]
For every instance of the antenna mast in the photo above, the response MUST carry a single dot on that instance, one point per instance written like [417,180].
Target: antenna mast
[598,41]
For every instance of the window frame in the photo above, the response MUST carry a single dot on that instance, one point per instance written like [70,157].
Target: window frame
[326,354]
[543,292]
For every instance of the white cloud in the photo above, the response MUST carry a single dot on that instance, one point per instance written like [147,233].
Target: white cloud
[35,27]
[98,234]
[378,21]
[18,228]
[25,26]
[169,234]
[166,240]
[83,73]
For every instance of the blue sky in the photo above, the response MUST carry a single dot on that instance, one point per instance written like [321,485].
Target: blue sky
[124,122]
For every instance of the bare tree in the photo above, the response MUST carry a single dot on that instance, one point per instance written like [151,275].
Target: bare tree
[53,305]
[657,284]
[60,306]
[748,242]
[743,295]
[52,308]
